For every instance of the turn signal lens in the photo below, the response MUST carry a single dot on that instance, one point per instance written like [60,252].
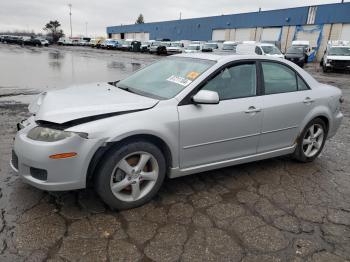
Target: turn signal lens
[63,155]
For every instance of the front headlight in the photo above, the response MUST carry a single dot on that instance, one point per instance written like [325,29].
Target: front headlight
[47,134]
[329,61]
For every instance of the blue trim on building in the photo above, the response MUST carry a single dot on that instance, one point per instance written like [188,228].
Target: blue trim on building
[333,13]
[201,28]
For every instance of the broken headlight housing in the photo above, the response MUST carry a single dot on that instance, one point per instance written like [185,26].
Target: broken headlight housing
[47,134]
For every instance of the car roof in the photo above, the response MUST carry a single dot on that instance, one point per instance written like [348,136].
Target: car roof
[336,46]
[225,57]
[265,44]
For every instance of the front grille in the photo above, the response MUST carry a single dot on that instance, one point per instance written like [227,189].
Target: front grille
[38,173]
[14,160]
[341,64]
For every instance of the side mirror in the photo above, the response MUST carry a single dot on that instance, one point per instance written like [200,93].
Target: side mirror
[206,97]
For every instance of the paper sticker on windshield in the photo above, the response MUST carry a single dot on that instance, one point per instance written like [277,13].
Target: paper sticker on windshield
[179,80]
[192,75]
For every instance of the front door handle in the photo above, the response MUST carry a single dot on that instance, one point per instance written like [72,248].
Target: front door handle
[252,109]
[308,100]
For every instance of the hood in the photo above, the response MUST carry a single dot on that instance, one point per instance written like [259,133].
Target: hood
[338,57]
[173,48]
[276,55]
[294,55]
[89,100]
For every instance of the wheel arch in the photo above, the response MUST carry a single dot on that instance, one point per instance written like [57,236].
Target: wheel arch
[103,150]
[321,115]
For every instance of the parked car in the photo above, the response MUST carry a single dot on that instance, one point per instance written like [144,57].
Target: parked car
[126,45]
[75,41]
[193,48]
[296,54]
[96,42]
[104,43]
[259,49]
[112,44]
[210,47]
[306,45]
[13,39]
[3,38]
[174,48]
[229,46]
[33,41]
[154,47]
[44,42]
[179,116]
[162,48]
[336,56]
[146,45]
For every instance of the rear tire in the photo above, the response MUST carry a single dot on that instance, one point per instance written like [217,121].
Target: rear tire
[311,141]
[130,175]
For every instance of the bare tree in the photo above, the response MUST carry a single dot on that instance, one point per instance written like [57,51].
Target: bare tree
[53,29]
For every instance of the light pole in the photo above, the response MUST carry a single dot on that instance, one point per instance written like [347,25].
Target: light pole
[70,19]
[86,24]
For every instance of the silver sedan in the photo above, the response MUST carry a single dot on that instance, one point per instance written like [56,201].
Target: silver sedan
[182,115]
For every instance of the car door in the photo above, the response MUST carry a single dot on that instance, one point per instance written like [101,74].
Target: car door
[286,101]
[230,129]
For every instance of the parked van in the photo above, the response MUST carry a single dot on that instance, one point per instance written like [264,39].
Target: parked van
[229,46]
[259,49]
[193,48]
[65,41]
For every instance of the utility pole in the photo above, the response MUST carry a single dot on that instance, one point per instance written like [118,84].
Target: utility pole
[86,24]
[180,15]
[70,19]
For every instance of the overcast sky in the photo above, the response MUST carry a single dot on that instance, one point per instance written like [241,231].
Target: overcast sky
[33,14]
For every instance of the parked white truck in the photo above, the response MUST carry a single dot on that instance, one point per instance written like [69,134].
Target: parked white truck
[336,56]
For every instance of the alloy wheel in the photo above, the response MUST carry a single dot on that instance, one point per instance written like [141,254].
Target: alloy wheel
[134,176]
[313,140]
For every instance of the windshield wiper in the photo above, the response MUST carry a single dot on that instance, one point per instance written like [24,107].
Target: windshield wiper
[114,83]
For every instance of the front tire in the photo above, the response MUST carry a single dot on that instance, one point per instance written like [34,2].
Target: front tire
[311,141]
[131,175]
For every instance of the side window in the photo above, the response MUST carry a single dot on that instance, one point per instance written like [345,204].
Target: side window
[258,50]
[278,78]
[234,82]
[301,84]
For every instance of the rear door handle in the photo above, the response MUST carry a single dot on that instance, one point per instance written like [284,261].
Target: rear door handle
[252,109]
[308,100]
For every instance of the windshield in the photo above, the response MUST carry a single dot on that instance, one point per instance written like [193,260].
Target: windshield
[166,78]
[175,44]
[229,47]
[304,46]
[270,50]
[209,45]
[167,44]
[344,51]
[155,44]
[295,50]
[193,47]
